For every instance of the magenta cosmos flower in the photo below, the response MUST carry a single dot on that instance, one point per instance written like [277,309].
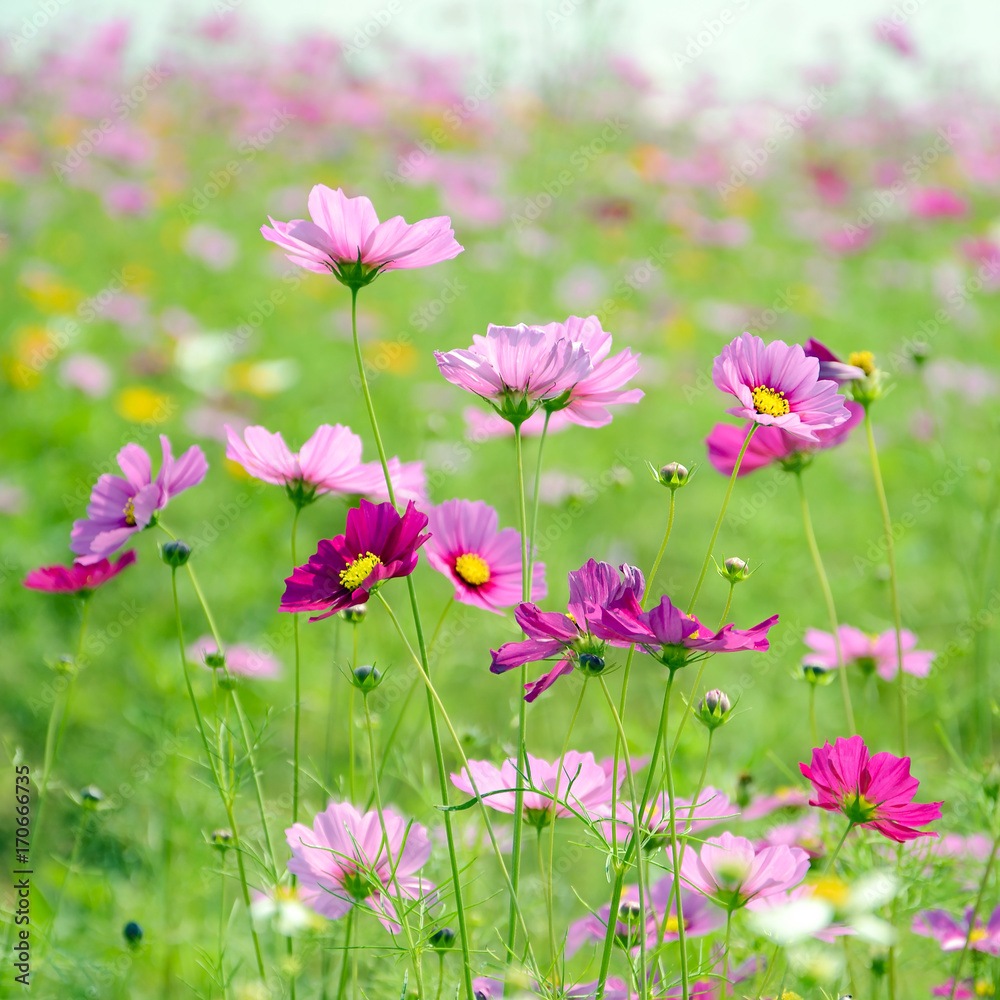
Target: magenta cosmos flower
[585,786]
[242,660]
[771,444]
[342,860]
[80,578]
[484,564]
[516,368]
[950,932]
[778,386]
[120,507]
[570,637]
[730,871]
[869,652]
[346,239]
[671,636]
[876,792]
[590,398]
[329,462]
[376,546]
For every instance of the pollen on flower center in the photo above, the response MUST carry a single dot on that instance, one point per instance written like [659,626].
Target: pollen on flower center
[356,572]
[770,401]
[129,512]
[672,924]
[978,934]
[858,809]
[473,569]
[864,360]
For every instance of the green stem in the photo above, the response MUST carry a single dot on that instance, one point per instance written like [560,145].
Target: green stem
[812,714]
[691,700]
[393,863]
[226,803]
[973,915]
[663,548]
[350,719]
[423,666]
[836,851]
[437,628]
[767,974]
[522,720]
[342,985]
[890,550]
[534,499]
[719,519]
[74,859]
[725,953]
[298,686]
[729,604]
[831,608]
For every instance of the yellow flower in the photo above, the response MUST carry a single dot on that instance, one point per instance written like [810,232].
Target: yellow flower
[141,405]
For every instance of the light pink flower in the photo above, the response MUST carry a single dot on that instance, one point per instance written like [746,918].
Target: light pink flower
[329,462]
[482,562]
[783,798]
[243,660]
[346,238]
[869,652]
[730,870]
[937,203]
[343,860]
[88,373]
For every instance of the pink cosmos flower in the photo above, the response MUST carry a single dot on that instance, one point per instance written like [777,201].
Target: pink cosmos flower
[590,398]
[830,366]
[937,203]
[346,238]
[783,798]
[570,636]
[777,385]
[376,546]
[700,918]
[771,444]
[120,507]
[585,786]
[242,660]
[950,932]
[848,239]
[875,792]
[329,462]
[80,578]
[869,652]
[483,563]
[516,368]
[711,808]
[804,833]
[730,871]
[343,860]
[88,373]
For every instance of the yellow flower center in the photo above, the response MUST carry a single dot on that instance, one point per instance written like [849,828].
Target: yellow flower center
[864,360]
[129,512]
[672,924]
[572,619]
[832,890]
[978,934]
[984,988]
[355,573]
[770,401]
[473,569]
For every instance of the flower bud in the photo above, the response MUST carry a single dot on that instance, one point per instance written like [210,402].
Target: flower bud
[735,570]
[132,932]
[175,554]
[591,664]
[91,797]
[355,615]
[629,913]
[991,779]
[744,782]
[673,475]
[215,660]
[442,939]
[366,678]
[222,839]
[715,709]
[815,673]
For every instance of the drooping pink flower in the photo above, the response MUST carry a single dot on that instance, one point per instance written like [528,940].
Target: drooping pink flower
[585,786]
[832,367]
[771,444]
[516,368]
[937,203]
[951,932]
[80,578]
[570,636]
[590,397]
[242,660]
[377,545]
[778,386]
[731,872]
[120,507]
[875,792]
[869,652]
[346,238]
[329,462]
[343,860]
[483,563]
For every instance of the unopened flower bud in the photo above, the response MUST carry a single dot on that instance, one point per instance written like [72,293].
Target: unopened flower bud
[674,475]
[215,660]
[590,663]
[744,782]
[355,615]
[991,779]
[222,839]
[629,913]
[366,678]
[919,352]
[715,709]
[442,939]
[816,673]
[91,796]
[132,932]
[175,554]
[735,570]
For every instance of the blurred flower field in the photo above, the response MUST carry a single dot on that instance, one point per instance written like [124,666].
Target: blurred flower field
[170,783]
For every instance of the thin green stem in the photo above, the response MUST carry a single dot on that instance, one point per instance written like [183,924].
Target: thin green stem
[836,851]
[769,968]
[687,711]
[342,985]
[729,604]
[534,499]
[812,714]
[719,519]
[890,551]
[663,548]
[255,773]
[831,608]
[350,719]
[972,916]
[298,685]
[423,666]
[437,628]
[74,860]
